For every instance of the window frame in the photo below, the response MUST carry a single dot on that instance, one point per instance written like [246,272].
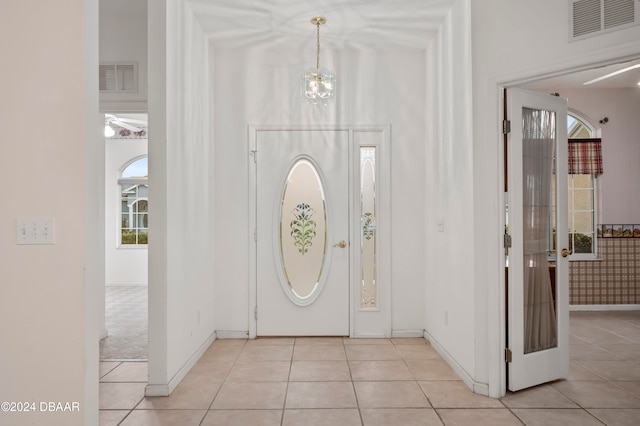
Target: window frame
[594,217]
[124,182]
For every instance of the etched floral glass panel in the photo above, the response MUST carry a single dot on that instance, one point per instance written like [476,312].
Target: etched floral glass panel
[368,288]
[303,226]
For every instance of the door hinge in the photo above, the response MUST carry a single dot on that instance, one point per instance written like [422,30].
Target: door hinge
[255,313]
[507,355]
[507,243]
[255,156]
[506,127]
[255,234]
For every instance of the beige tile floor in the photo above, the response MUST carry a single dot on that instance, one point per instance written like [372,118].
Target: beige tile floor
[336,381]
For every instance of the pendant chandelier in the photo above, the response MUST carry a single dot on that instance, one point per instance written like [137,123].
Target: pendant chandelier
[318,83]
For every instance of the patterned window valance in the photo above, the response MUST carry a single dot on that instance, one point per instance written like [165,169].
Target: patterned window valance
[585,156]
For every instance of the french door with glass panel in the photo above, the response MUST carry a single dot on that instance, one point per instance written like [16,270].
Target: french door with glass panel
[538,295]
[302,232]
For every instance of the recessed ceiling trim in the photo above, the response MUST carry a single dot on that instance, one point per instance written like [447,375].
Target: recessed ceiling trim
[372,24]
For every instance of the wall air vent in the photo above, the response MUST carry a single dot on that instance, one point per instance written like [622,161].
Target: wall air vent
[588,18]
[118,77]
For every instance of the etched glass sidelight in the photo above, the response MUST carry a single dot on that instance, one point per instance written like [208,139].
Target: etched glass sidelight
[368,288]
[303,226]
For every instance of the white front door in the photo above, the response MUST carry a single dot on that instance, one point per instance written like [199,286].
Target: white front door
[538,288]
[302,232]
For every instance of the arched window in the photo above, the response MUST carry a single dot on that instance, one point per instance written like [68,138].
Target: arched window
[134,212]
[577,128]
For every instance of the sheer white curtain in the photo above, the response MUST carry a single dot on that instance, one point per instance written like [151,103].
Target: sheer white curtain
[540,326]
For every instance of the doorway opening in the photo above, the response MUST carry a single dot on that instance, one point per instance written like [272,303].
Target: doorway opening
[586,103]
[126,238]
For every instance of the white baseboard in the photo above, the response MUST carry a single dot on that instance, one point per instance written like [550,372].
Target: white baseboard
[604,307]
[407,333]
[165,390]
[229,334]
[157,390]
[368,336]
[476,387]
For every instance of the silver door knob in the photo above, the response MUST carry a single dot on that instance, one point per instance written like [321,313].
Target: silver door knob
[341,244]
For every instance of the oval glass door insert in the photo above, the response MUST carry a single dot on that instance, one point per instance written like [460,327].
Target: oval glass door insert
[303,229]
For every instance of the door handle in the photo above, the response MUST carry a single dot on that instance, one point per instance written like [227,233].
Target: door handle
[565,252]
[341,244]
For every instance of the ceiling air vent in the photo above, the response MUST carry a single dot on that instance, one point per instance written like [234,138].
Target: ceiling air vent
[119,77]
[618,12]
[593,17]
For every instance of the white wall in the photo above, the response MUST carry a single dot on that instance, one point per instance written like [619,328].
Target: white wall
[451,287]
[181,262]
[123,38]
[619,185]
[49,348]
[531,41]
[124,265]
[260,87]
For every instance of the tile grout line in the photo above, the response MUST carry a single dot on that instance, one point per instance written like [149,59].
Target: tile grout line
[353,384]
[415,379]
[286,389]
[226,377]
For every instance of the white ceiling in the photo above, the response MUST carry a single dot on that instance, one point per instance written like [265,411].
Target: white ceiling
[376,24]
[350,23]
[136,116]
[628,79]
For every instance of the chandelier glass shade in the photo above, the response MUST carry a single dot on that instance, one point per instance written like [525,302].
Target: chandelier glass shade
[318,83]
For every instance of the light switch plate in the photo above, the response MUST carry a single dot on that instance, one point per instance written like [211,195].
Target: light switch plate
[34,230]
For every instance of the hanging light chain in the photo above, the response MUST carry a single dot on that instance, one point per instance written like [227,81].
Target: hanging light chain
[317,21]
[318,47]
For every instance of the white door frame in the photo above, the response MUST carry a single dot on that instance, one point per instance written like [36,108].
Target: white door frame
[497,319]
[369,322]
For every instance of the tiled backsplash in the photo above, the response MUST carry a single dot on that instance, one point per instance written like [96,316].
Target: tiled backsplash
[614,280]
[619,231]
